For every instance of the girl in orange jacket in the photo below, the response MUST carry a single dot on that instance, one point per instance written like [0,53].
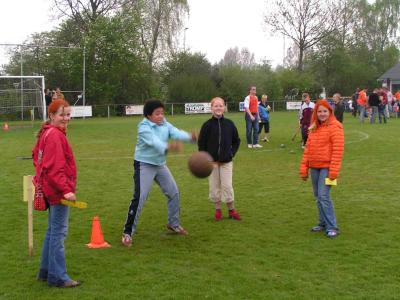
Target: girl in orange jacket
[323,156]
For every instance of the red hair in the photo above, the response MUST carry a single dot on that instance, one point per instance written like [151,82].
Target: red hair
[56,104]
[52,109]
[314,118]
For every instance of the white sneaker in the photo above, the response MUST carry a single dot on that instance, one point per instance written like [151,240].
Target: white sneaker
[257,146]
[126,240]
[249,146]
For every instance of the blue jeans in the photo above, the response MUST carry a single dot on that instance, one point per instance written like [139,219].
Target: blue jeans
[374,114]
[52,265]
[382,113]
[325,207]
[362,111]
[251,129]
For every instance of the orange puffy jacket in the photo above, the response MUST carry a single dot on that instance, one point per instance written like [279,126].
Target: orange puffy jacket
[324,149]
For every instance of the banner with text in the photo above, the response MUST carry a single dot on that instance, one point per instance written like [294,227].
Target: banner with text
[133,110]
[197,108]
[81,111]
[293,105]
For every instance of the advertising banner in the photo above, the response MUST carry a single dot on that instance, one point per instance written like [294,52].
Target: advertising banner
[197,108]
[81,111]
[293,105]
[133,110]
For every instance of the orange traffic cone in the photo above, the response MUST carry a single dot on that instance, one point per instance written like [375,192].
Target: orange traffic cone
[5,127]
[97,240]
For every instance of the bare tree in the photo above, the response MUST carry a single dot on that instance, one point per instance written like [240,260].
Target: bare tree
[244,57]
[305,22]
[160,22]
[231,57]
[86,11]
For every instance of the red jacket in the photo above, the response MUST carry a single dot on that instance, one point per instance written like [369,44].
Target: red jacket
[53,158]
[324,149]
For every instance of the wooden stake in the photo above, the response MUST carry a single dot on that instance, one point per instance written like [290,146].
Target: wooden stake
[29,191]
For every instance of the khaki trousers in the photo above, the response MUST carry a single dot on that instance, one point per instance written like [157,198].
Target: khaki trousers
[220,183]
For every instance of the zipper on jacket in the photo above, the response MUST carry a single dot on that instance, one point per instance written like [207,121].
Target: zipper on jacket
[219,138]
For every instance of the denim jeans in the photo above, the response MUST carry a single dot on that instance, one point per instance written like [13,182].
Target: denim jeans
[374,114]
[325,207]
[382,113]
[251,129]
[52,265]
[362,112]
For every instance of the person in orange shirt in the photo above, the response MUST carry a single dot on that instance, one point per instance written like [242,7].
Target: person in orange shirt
[251,117]
[323,157]
[362,103]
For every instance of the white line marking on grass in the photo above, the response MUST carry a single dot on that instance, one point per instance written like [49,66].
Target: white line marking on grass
[104,158]
[364,136]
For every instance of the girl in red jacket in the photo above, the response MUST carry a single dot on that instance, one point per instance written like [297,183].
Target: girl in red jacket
[56,171]
[323,156]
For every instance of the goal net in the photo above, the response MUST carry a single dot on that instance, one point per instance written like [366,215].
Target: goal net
[22,98]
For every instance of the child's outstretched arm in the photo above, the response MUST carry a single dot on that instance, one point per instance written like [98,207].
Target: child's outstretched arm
[181,135]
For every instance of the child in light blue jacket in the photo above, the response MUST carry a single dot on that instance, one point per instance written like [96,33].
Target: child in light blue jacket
[263,111]
[152,146]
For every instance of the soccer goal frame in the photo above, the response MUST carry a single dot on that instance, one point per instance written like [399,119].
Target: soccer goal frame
[44,112]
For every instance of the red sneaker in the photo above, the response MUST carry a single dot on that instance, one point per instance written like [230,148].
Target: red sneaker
[218,215]
[233,214]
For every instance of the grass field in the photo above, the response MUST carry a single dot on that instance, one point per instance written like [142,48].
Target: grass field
[271,254]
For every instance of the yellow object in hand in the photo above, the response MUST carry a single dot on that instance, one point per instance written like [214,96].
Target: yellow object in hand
[328,181]
[77,204]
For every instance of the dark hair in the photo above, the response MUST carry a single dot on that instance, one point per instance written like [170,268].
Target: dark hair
[151,105]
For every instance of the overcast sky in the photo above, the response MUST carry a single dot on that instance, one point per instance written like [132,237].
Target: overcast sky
[213,26]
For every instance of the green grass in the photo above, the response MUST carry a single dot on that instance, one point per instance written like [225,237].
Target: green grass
[269,255]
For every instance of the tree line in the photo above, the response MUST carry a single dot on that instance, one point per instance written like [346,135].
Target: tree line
[133,52]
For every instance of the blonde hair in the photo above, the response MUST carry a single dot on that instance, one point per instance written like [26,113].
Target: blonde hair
[213,100]
[264,97]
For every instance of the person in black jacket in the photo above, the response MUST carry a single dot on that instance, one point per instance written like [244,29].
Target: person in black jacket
[48,96]
[373,102]
[339,107]
[354,102]
[219,137]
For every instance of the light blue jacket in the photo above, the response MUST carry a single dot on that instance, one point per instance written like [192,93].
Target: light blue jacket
[152,141]
[263,112]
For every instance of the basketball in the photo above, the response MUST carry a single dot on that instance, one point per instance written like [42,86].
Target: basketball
[200,164]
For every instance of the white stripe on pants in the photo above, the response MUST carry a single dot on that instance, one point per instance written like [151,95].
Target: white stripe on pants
[220,183]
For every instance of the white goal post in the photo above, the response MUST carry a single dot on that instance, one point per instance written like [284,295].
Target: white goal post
[18,93]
